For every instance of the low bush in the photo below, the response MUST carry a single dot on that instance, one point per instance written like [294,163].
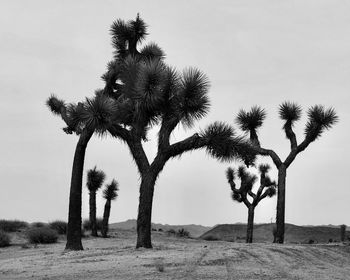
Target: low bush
[12,225]
[38,224]
[42,235]
[210,238]
[59,226]
[171,232]
[183,233]
[87,225]
[4,239]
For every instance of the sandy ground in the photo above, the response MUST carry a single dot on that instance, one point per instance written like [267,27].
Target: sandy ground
[116,258]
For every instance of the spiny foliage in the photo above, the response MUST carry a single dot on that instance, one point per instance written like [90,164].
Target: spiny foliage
[222,142]
[95,179]
[319,119]
[110,192]
[290,112]
[264,168]
[250,121]
[55,104]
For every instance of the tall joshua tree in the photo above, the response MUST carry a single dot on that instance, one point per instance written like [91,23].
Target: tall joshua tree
[148,93]
[109,193]
[94,182]
[267,188]
[94,115]
[319,120]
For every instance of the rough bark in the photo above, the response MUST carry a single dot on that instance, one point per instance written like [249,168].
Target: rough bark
[281,199]
[105,221]
[145,210]
[250,225]
[92,203]
[74,215]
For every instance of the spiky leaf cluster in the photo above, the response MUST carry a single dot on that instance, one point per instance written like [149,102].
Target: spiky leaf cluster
[250,121]
[110,192]
[55,104]
[95,179]
[152,51]
[264,168]
[319,119]
[126,35]
[221,141]
[230,174]
[289,112]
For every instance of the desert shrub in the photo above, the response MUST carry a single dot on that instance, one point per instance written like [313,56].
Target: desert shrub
[59,226]
[210,238]
[182,233]
[42,235]
[154,229]
[171,231]
[38,224]
[87,224]
[160,229]
[311,241]
[330,240]
[12,225]
[4,239]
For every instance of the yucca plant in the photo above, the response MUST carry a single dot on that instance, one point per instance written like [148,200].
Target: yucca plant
[110,194]
[95,179]
[94,115]
[148,92]
[319,120]
[267,188]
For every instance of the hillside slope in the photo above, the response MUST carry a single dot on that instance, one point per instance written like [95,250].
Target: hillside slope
[263,233]
[194,230]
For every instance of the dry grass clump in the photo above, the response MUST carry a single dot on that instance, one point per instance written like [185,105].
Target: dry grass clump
[4,239]
[59,226]
[42,235]
[12,225]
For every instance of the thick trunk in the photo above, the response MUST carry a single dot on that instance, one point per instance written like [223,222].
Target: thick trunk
[281,199]
[93,213]
[250,225]
[106,218]
[74,215]
[145,210]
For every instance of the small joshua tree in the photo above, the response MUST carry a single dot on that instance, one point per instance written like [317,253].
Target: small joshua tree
[267,189]
[93,116]
[95,180]
[319,120]
[109,193]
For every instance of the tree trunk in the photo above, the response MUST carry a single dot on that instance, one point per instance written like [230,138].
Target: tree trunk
[92,202]
[250,225]
[74,214]
[281,201]
[145,210]
[106,218]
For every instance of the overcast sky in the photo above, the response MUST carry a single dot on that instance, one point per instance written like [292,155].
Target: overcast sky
[254,52]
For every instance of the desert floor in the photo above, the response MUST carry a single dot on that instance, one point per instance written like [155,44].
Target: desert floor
[174,258]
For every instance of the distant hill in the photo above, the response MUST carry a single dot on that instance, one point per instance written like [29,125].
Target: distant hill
[194,230]
[263,233]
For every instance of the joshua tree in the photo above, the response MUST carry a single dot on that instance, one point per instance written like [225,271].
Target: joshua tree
[95,180]
[342,233]
[148,92]
[267,188]
[319,120]
[84,119]
[109,193]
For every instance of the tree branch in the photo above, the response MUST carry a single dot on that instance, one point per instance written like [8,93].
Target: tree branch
[290,135]
[167,127]
[191,143]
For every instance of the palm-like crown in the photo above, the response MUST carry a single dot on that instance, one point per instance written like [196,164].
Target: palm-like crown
[110,192]
[95,179]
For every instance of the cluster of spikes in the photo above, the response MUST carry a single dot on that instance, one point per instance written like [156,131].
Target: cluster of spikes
[141,90]
[319,118]
[248,181]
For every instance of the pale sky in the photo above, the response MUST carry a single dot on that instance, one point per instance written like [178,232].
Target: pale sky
[259,52]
